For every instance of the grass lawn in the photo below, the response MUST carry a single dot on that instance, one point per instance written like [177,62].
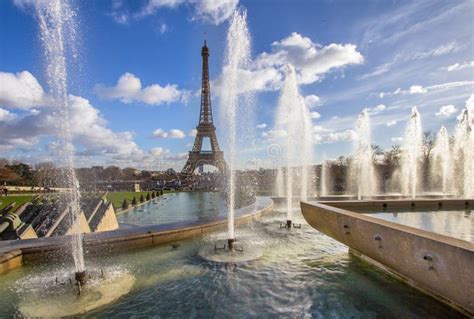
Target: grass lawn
[19,199]
[117,197]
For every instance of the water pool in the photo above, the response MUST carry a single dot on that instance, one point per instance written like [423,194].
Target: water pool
[454,223]
[175,207]
[302,274]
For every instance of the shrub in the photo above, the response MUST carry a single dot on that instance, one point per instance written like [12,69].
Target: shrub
[134,201]
[148,197]
[125,204]
[142,198]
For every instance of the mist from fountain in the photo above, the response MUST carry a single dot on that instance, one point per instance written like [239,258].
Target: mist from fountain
[362,167]
[464,154]
[323,191]
[57,26]
[293,118]
[279,183]
[237,58]
[442,167]
[411,153]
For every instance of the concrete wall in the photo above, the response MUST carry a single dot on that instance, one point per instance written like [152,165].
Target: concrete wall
[108,221]
[440,265]
[80,223]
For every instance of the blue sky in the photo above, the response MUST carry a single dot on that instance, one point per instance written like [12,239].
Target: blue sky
[349,55]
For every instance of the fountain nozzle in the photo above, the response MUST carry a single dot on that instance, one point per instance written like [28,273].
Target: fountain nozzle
[81,278]
[289,224]
[230,243]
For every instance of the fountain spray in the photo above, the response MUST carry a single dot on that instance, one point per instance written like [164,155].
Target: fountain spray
[237,58]
[412,150]
[279,184]
[293,118]
[56,20]
[323,191]
[464,153]
[442,167]
[363,173]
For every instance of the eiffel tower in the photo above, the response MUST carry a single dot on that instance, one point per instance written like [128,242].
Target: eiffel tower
[205,129]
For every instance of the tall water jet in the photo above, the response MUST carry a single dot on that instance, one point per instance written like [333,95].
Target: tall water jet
[411,153]
[294,121]
[237,58]
[56,20]
[442,168]
[362,167]
[464,154]
[279,183]
[323,187]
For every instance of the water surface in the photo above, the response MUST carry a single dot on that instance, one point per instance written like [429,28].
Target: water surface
[302,274]
[454,223]
[175,207]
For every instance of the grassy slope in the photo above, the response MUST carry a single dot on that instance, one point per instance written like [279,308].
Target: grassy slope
[20,199]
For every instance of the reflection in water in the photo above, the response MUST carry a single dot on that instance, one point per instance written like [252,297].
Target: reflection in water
[303,274]
[456,223]
[176,207]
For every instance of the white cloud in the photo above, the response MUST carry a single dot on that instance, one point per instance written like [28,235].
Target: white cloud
[89,132]
[192,133]
[439,50]
[6,115]
[20,90]
[315,115]
[262,125]
[129,90]
[460,66]
[391,123]
[376,109]
[212,11]
[309,59]
[312,100]
[446,111]
[160,133]
[379,107]
[334,137]
[311,62]
[397,139]
[174,133]
[159,151]
[417,89]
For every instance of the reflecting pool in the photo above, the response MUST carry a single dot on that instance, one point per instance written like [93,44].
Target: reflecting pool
[454,223]
[175,207]
[301,274]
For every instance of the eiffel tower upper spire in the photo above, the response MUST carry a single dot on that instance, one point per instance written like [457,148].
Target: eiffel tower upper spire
[205,116]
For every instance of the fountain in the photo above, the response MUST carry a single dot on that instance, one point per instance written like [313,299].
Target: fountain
[442,161]
[63,292]
[323,191]
[362,168]
[237,57]
[294,119]
[57,30]
[411,153]
[279,183]
[234,114]
[464,155]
